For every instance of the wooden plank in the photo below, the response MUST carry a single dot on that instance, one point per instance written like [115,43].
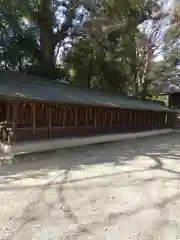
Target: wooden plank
[24,128]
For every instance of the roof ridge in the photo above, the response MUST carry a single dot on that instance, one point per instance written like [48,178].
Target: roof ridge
[21,74]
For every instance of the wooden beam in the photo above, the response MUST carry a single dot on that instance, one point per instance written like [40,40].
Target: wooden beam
[50,119]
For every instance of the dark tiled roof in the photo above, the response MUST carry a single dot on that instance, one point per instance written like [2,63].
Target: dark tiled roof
[13,84]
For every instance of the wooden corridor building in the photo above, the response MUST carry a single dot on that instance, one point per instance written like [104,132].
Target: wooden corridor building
[32,108]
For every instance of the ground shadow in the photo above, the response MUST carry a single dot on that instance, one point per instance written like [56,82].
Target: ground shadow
[40,165]
[121,154]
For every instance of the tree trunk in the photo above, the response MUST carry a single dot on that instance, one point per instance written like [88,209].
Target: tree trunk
[47,39]
[20,67]
[90,71]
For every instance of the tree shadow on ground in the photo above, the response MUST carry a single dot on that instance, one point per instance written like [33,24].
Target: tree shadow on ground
[120,155]
[42,165]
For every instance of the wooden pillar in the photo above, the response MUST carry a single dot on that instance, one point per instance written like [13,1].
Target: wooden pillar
[50,119]
[141,122]
[164,119]
[86,117]
[111,119]
[135,124]
[76,121]
[149,123]
[34,120]
[145,120]
[124,120]
[14,119]
[127,120]
[8,108]
[118,118]
[150,120]
[90,131]
[103,117]
[167,119]
[130,120]
[160,120]
[100,120]
[64,117]
[95,119]
[155,119]
[76,117]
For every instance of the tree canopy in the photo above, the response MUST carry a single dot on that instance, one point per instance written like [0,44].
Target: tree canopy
[111,45]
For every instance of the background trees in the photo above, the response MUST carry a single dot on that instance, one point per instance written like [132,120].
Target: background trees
[109,45]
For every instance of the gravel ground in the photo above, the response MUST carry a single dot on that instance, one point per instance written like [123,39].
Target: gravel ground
[124,190]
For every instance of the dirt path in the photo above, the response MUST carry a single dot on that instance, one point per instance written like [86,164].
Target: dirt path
[124,190]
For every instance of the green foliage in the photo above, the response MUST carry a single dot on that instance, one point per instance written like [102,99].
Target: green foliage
[108,50]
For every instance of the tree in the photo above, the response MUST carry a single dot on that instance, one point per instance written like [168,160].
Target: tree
[104,57]
[105,49]
[148,47]
[19,51]
[80,63]
[147,9]
[92,66]
[171,41]
[116,51]
[171,54]
[43,15]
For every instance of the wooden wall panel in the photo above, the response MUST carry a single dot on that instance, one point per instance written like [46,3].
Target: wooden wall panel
[41,133]
[24,135]
[74,121]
